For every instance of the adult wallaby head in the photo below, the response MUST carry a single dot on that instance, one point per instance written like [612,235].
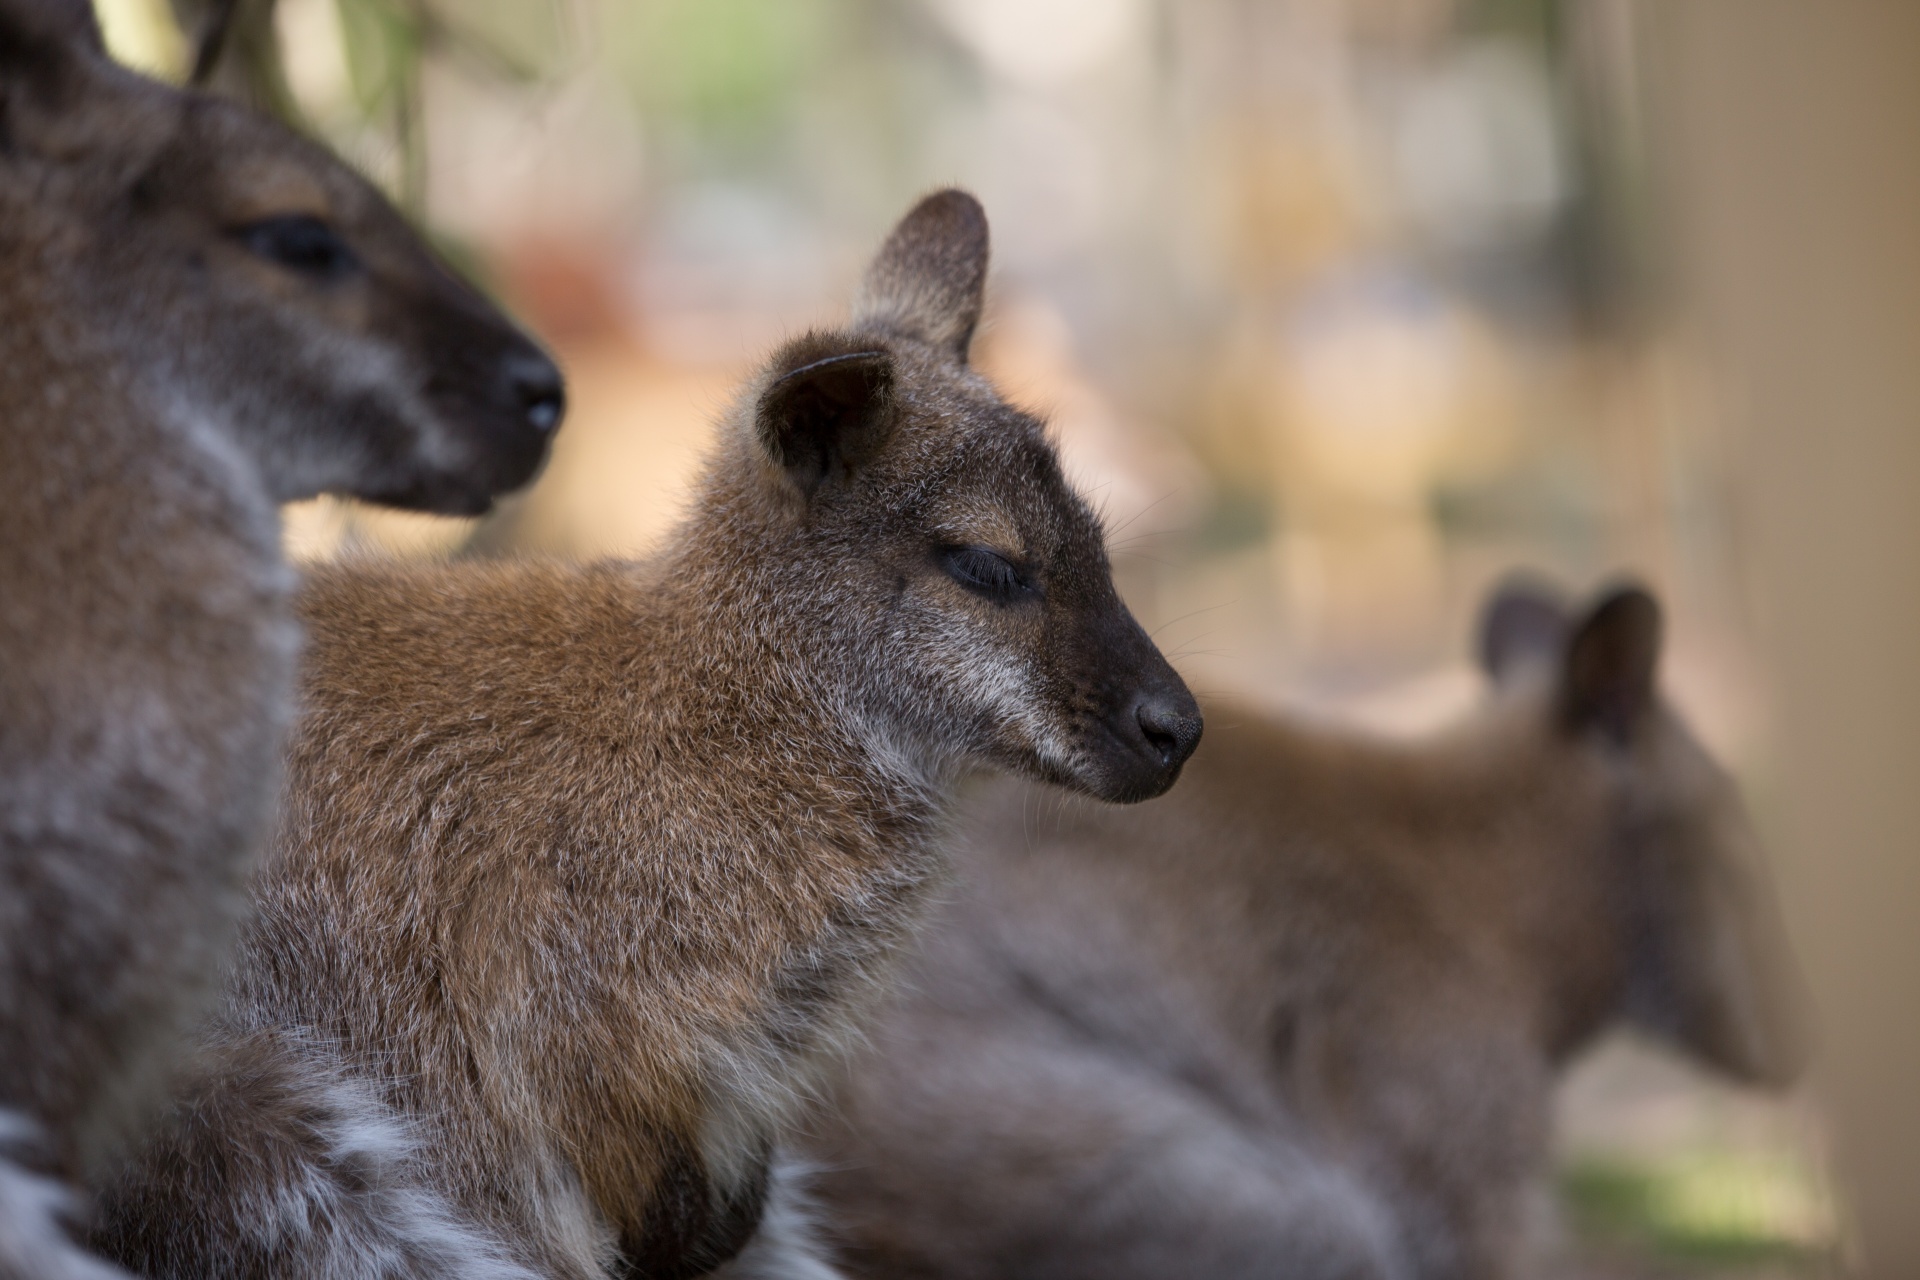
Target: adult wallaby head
[964,583]
[1689,948]
[237,274]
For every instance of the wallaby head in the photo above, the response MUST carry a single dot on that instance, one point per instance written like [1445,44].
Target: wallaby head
[962,585]
[241,276]
[1698,956]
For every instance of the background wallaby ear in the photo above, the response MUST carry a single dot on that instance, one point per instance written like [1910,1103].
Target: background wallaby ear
[1713,975]
[1612,660]
[1525,621]
[930,276]
[824,419]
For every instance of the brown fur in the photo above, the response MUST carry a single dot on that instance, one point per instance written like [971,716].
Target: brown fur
[584,871]
[1302,1018]
[167,377]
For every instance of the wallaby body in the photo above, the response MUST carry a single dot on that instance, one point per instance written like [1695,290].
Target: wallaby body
[1302,1018]
[201,316]
[583,873]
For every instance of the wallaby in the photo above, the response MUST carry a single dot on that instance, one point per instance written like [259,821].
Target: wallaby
[584,873]
[1302,1018]
[201,316]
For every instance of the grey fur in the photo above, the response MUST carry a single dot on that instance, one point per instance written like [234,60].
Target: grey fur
[162,386]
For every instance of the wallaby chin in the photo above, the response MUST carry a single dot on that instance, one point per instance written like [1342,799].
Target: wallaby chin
[588,872]
[1304,1015]
[200,314]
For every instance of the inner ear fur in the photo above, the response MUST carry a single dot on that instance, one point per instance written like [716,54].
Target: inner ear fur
[1524,622]
[828,415]
[1609,681]
[929,279]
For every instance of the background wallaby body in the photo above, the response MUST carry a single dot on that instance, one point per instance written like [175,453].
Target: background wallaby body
[584,871]
[1302,1018]
[201,316]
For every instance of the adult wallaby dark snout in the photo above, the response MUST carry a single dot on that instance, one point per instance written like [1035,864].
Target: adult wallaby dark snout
[1303,1017]
[235,272]
[584,873]
[201,316]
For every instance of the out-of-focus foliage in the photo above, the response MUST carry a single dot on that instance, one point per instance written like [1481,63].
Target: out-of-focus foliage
[384,48]
[1716,1210]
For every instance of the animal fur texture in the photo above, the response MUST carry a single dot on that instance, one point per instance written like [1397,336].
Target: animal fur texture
[1302,1018]
[201,316]
[584,872]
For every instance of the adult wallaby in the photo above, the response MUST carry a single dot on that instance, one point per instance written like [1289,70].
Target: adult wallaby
[201,316]
[584,873]
[1302,1019]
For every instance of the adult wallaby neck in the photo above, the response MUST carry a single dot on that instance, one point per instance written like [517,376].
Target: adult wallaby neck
[144,619]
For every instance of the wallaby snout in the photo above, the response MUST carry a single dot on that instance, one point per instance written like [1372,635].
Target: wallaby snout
[1153,723]
[247,279]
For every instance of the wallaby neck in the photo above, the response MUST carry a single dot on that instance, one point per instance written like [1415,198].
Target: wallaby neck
[771,651]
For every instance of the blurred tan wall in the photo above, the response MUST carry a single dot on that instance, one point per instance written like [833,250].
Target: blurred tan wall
[1794,141]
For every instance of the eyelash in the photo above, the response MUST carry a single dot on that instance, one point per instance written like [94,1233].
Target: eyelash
[987,573]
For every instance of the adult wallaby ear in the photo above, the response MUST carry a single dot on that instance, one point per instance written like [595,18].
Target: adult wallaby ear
[40,37]
[1608,682]
[930,277]
[45,48]
[1524,622]
[826,418]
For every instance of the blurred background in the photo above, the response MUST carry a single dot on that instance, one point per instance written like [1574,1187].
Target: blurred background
[1341,310]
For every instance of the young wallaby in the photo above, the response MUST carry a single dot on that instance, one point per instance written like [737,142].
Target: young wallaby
[201,316]
[1302,1019]
[584,873]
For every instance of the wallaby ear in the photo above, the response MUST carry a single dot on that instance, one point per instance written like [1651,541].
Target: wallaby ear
[33,33]
[1712,974]
[828,417]
[930,277]
[46,50]
[1608,682]
[1524,622]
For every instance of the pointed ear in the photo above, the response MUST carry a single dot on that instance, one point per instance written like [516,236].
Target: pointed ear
[825,419]
[930,276]
[1524,622]
[46,49]
[1609,678]
[34,31]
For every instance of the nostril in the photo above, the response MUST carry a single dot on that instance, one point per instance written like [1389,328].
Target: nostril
[1171,730]
[536,387]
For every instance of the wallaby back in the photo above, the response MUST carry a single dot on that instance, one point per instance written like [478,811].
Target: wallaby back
[584,872]
[201,315]
[1303,1016]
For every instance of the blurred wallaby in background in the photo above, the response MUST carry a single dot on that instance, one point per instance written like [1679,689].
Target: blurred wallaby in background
[585,872]
[201,316]
[1303,1018]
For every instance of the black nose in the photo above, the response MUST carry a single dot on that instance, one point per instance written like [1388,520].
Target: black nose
[535,385]
[1170,725]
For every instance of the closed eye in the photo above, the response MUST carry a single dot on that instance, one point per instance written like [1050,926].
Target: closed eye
[302,244]
[988,573]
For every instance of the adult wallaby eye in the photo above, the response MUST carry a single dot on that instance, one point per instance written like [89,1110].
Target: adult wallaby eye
[300,242]
[987,572]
